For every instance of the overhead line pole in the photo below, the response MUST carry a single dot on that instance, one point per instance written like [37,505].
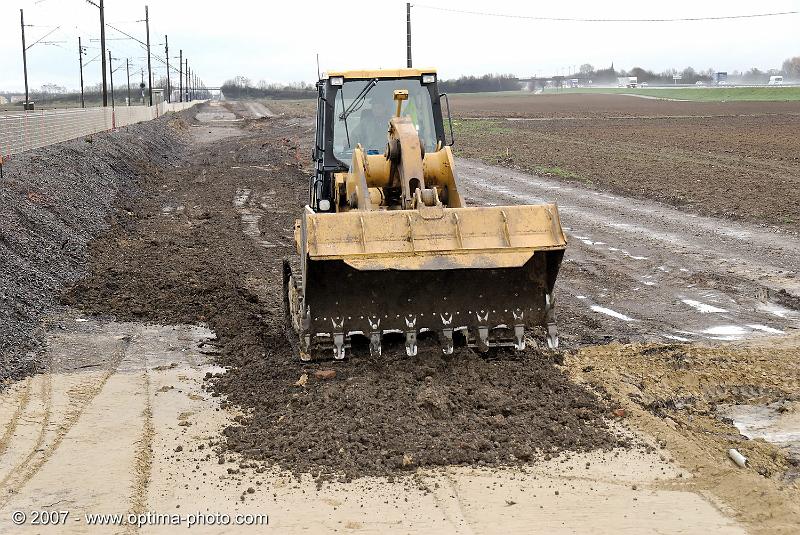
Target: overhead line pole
[111,73]
[149,67]
[102,9]
[80,65]
[24,57]
[180,76]
[408,34]
[166,53]
[128,74]
[103,49]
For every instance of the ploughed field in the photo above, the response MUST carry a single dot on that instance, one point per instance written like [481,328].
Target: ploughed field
[738,160]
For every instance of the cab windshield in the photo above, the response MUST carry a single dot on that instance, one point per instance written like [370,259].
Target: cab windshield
[363,109]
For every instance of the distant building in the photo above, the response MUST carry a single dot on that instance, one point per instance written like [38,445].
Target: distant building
[3,100]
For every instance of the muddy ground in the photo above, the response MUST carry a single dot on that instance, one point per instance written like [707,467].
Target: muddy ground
[604,438]
[695,401]
[737,160]
[184,258]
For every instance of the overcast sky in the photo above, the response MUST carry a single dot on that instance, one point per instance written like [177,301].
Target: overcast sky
[277,41]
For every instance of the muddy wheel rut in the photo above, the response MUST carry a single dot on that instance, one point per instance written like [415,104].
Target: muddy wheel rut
[52,430]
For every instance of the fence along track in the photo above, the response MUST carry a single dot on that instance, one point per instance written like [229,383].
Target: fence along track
[26,130]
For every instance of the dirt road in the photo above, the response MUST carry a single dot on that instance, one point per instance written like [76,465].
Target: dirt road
[124,419]
[643,271]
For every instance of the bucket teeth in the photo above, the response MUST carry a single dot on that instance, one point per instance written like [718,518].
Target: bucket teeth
[519,330]
[519,337]
[552,336]
[447,339]
[550,316]
[375,344]
[338,346]
[411,343]
[305,344]
[483,338]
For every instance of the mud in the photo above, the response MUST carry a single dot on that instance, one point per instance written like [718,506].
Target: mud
[638,270]
[683,393]
[378,416]
[205,245]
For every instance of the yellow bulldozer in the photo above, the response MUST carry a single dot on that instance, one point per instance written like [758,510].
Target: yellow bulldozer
[387,245]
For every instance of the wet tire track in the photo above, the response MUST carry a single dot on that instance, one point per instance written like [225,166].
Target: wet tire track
[674,275]
[22,403]
[80,397]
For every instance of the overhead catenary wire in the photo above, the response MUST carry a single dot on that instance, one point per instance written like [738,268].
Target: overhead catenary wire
[143,45]
[78,30]
[595,19]
[42,37]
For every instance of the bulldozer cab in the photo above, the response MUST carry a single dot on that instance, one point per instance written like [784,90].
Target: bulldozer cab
[354,108]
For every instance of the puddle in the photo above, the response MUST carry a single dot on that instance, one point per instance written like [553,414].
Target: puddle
[634,257]
[765,329]
[676,338]
[777,310]
[215,370]
[778,423]
[726,332]
[702,307]
[612,313]
[249,217]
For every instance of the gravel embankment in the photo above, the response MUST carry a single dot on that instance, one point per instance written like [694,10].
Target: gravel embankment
[53,201]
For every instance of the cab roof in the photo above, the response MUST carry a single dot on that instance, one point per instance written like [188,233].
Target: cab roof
[379,73]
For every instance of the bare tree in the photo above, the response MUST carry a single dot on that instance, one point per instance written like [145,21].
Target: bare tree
[791,68]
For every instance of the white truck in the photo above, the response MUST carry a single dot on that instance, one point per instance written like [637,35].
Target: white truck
[775,80]
[627,81]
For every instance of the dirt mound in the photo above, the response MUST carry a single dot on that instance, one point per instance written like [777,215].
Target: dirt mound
[53,201]
[376,416]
